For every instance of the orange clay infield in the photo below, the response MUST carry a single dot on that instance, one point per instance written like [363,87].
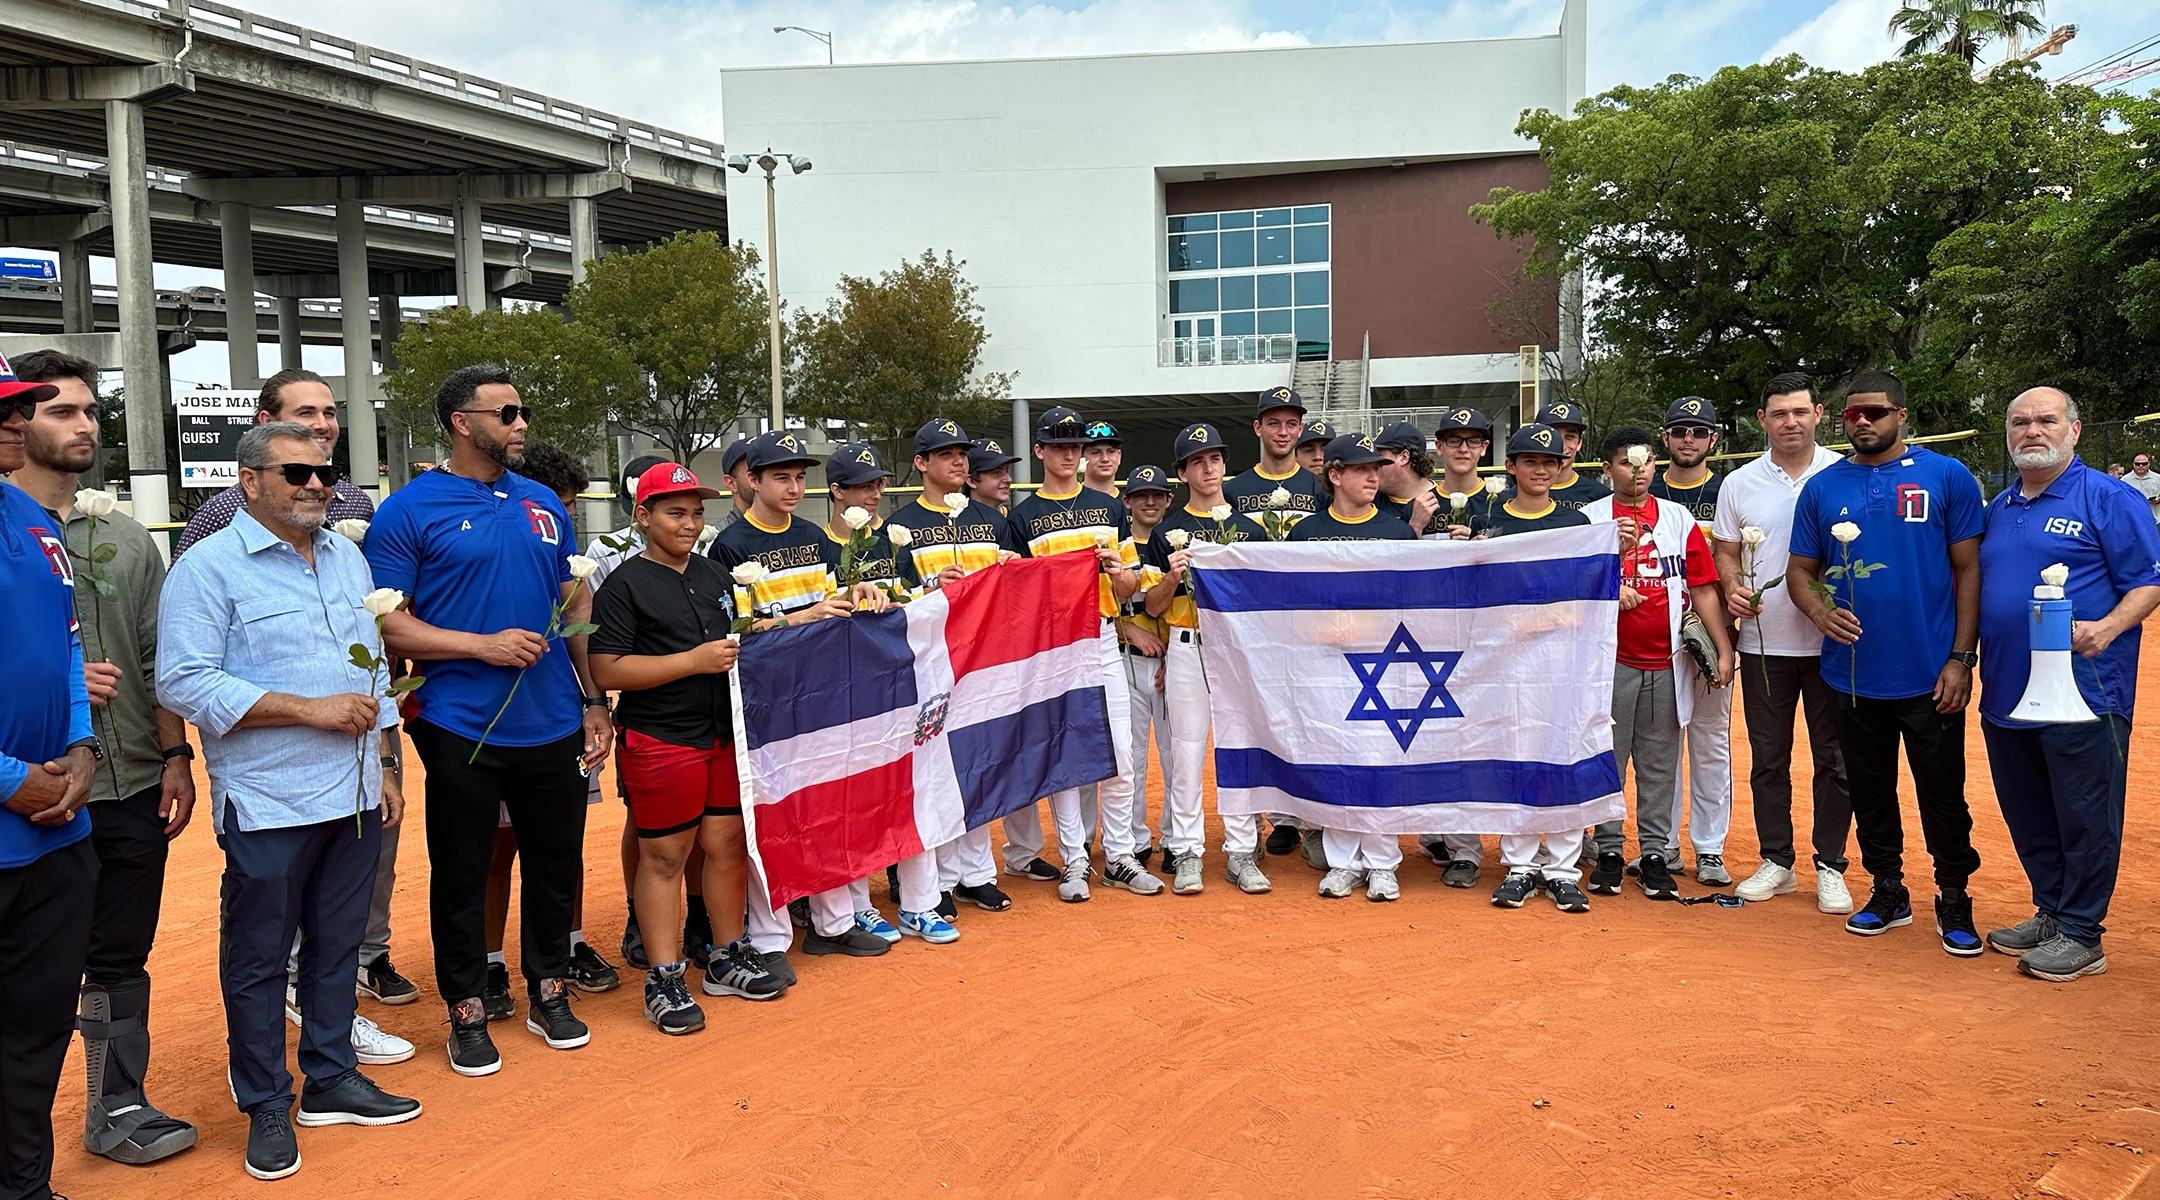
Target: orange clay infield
[1224,1045]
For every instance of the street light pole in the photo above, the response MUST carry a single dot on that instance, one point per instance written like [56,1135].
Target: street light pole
[820,35]
[770,162]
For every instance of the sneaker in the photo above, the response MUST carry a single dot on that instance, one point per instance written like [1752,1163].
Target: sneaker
[1889,906]
[1657,882]
[777,966]
[2060,960]
[1460,873]
[1185,879]
[1381,886]
[1567,897]
[946,908]
[591,973]
[1282,839]
[380,982]
[1710,870]
[873,922]
[1606,877]
[496,996]
[1243,871]
[1143,854]
[354,1100]
[1516,888]
[272,1150]
[935,929]
[1073,887]
[547,1013]
[2025,936]
[1954,925]
[1035,869]
[798,911]
[1436,853]
[292,1007]
[738,970]
[986,896]
[668,1003]
[698,948]
[1768,880]
[1315,850]
[1831,895]
[472,1051]
[1339,882]
[374,1047]
[851,941]
[1128,872]
[633,945]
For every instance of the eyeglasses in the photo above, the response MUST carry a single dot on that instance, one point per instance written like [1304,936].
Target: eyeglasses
[508,414]
[1870,413]
[1101,429]
[296,474]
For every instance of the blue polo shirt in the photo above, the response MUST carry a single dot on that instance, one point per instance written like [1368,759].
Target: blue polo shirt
[45,704]
[2100,528]
[1910,511]
[481,558]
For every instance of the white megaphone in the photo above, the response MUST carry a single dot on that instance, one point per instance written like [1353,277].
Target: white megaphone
[2051,693]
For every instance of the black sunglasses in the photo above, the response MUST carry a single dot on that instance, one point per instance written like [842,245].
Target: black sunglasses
[20,405]
[296,474]
[508,414]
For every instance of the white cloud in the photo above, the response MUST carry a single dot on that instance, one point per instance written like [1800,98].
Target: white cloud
[1850,35]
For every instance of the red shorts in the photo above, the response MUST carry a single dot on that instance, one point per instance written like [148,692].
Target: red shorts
[671,788]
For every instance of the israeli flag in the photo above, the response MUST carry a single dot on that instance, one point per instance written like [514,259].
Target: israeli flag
[1415,687]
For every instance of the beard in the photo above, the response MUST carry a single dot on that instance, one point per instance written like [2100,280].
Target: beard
[1872,440]
[2032,460]
[71,459]
[308,511]
[497,452]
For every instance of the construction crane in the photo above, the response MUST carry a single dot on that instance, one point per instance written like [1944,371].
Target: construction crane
[2015,51]
[2120,67]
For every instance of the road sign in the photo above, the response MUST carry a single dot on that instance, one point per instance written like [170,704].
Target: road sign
[28,268]
[211,424]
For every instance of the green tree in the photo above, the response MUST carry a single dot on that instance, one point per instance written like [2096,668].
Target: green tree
[564,373]
[888,354]
[1960,28]
[689,316]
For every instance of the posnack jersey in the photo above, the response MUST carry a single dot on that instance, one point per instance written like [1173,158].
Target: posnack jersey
[797,573]
[1135,608]
[1476,503]
[1910,511]
[1198,527]
[1047,525]
[970,538]
[880,564]
[1579,491]
[1504,520]
[1247,495]
[1376,525]
[1699,499]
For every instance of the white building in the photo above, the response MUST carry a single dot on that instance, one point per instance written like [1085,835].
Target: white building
[1157,237]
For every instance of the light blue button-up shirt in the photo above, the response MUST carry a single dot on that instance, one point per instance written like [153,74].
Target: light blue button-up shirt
[244,615]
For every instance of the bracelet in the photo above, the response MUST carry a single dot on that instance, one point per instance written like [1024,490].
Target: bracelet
[600,701]
[183,750]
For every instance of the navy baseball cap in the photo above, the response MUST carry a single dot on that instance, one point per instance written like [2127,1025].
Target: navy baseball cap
[1353,450]
[1192,440]
[1470,420]
[938,433]
[1536,439]
[1061,426]
[1279,397]
[1147,479]
[12,388]
[1558,413]
[1691,410]
[1316,431]
[1103,433]
[778,448]
[856,462]
[1400,435]
[985,454]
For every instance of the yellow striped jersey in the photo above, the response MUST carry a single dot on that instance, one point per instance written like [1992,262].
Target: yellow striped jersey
[971,538]
[797,572]
[1200,527]
[880,564]
[1134,611]
[1049,524]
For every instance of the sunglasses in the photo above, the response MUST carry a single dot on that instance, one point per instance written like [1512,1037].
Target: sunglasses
[1871,413]
[296,474]
[1101,430]
[1689,431]
[508,414]
[20,405]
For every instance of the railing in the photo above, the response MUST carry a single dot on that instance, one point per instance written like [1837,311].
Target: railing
[1226,351]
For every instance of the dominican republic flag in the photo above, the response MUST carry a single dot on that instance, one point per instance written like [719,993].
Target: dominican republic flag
[875,737]
[1415,687]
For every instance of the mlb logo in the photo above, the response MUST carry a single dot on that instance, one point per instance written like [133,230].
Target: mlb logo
[1912,503]
[544,525]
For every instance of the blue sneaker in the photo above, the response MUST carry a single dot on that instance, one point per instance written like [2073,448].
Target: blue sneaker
[1954,925]
[928,926]
[873,922]
[1889,907]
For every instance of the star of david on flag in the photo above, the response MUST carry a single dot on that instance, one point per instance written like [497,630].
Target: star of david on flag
[1372,704]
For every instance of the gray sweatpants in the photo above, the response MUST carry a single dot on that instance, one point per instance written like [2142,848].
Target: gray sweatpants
[1646,729]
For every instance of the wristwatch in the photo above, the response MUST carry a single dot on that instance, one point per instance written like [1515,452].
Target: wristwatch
[1967,657]
[96,748]
[183,750]
[599,701]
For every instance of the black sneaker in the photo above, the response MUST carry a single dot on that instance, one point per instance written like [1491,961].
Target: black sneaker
[1282,839]
[633,945]
[985,896]
[472,1051]
[1606,876]
[273,1152]
[1037,870]
[892,884]
[737,970]
[1436,853]
[379,981]
[668,1003]
[354,1100]
[777,965]
[853,942]
[590,972]
[1954,925]
[496,997]
[945,906]
[1516,888]
[798,911]
[547,1013]
[1889,906]
[1460,873]
[1567,897]
[1657,882]
[698,950]
[1142,855]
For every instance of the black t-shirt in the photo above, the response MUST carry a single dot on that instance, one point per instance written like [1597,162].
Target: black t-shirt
[1378,525]
[1505,521]
[1248,494]
[648,609]
[1699,499]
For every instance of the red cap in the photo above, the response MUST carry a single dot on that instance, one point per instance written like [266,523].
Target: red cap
[11,387]
[667,479]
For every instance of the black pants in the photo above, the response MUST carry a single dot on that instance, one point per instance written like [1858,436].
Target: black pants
[2061,789]
[129,837]
[545,794]
[44,934]
[1770,709]
[278,882]
[1935,750]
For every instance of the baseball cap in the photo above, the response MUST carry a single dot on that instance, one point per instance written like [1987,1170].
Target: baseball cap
[1061,426]
[1192,440]
[1353,450]
[1103,433]
[938,433]
[665,478]
[985,454]
[1316,431]
[1279,397]
[1691,410]
[733,456]
[1536,439]
[1558,413]
[12,388]
[1460,419]
[1400,435]
[1147,479]
[636,471]
[856,462]
[777,448]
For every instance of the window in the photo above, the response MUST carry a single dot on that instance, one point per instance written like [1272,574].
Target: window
[1233,265]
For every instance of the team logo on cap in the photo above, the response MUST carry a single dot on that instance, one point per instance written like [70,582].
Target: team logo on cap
[1562,412]
[1460,416]
[681,475]
[786,441]
[990,445]
[6,371]
[1364,441]
[1693,408]
[1279,393]
[864,456]
[947,427]
[1542,437]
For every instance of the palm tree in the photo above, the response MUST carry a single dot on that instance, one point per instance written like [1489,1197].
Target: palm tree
[1961,27]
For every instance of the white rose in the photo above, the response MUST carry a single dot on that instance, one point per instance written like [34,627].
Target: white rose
[1638,456]
[1220,512]
[1104,538]
[749,572]
[1279,498]
[1458,501]
[706,535]
[2055,576]
[582,568]
[900,535]
[94,503]
[1845,532]
[854,518]
[1176,538]
[1493,486]
[353,528]
[382,601]
[955,501]
[1753,535]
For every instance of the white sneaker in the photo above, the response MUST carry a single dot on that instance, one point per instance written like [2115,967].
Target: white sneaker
[376,1048]
[1340,882]
[1073,886]
[292,1009]
[1830,893]
[1768,880]
[1381,885]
